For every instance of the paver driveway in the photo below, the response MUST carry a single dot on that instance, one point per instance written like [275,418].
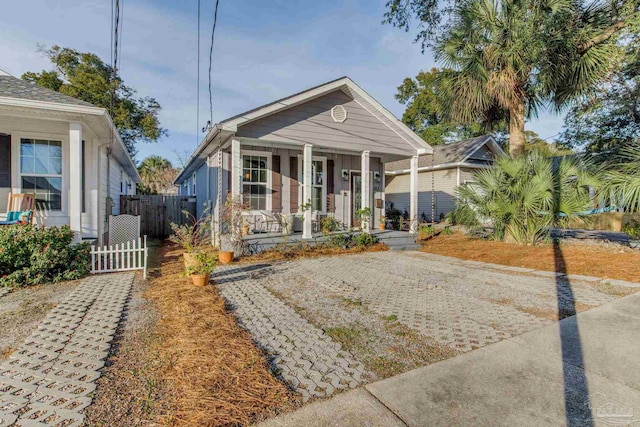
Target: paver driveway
[463,305]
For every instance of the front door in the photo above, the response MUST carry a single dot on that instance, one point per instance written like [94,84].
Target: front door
[356,198]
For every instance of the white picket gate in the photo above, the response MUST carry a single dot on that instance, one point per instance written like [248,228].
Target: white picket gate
[128,256]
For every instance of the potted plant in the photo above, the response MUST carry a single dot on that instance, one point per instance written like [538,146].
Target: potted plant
[192,235]
[200,272]
[382,223]
[329,224]
[231,241]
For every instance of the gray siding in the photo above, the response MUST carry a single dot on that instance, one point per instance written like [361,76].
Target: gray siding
[444,185]
[312,123]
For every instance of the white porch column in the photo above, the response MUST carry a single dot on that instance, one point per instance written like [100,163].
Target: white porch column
[236,169]
[75,179]
[306,190]
[365,226]
[413,214]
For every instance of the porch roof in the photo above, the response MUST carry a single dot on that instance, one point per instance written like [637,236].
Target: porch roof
[408,142]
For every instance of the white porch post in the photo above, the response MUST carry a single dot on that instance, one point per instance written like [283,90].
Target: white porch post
[236,169]
[306,190]
[413,214]
[365,226]
[75,179]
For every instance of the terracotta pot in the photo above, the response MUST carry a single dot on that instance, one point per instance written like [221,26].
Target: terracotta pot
[189,259]
[382,227]
[225,257]
[200,279]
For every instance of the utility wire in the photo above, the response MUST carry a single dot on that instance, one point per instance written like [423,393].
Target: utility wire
[198,84]
[213,33]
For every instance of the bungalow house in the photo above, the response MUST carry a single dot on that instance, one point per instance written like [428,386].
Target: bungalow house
[65,151]
[323,148]
[439,175]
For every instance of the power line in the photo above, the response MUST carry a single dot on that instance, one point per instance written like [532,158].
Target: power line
[213,32]
[198,84]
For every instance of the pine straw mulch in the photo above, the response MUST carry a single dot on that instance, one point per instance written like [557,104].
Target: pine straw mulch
[215,374]
[301,250]
[589,260]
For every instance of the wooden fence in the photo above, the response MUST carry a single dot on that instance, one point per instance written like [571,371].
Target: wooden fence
[157,212]
[122,257]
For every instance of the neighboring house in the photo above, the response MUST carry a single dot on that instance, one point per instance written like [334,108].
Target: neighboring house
[440,174]
[325,146]
[67,152]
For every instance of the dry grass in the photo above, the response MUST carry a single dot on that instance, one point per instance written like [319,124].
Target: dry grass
[304,250]
[589,260]
[216,375]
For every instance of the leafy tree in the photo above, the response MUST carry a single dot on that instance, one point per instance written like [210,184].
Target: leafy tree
[518,55]
[609,119]
[425,113]
[521,198]
[85,76]
[533,142]
[157,175]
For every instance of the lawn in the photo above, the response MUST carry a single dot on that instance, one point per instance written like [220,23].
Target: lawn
[612,262]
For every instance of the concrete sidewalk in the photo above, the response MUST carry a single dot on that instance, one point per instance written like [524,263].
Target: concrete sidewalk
[582,371]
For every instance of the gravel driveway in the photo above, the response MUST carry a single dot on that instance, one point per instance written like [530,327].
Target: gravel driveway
[394,311]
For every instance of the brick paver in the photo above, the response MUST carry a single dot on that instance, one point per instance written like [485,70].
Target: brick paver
[50,379]
[302,354]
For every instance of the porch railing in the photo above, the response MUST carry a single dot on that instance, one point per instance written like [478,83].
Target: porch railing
[128,256]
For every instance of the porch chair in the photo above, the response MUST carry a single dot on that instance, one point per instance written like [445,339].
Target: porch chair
[20,209]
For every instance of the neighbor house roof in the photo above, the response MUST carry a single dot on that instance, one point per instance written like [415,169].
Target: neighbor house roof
[448,154]
[12,87]
[229,126]
[17,95]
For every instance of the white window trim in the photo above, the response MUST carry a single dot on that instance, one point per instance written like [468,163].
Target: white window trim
[269,156]
[322,159]
[16,173]
[193,184]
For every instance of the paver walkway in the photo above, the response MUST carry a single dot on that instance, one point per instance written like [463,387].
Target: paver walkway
[49,379]
[304,356]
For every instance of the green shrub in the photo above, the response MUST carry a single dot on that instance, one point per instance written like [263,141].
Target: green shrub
[447,231]
[427,229]
[32,255]
[362,240]
[632,229]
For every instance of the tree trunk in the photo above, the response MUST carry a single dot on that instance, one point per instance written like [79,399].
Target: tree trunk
[516,130]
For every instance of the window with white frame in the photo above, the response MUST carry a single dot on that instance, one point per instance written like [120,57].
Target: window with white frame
[193,184]
[318,183]
[255,180]
[41,171]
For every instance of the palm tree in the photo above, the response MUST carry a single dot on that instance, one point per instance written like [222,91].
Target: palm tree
[522,198]
[621,179]
[519,55]
[157,173]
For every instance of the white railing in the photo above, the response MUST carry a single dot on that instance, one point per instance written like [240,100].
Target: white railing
[127,256]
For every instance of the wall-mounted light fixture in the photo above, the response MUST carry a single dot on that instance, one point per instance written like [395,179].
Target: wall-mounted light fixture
[345,174]
[377,177]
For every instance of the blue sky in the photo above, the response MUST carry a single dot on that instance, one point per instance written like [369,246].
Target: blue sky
[264,50]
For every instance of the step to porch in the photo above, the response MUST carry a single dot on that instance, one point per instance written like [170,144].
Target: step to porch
[397,240]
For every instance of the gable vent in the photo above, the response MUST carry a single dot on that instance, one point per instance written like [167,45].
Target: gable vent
[339,114]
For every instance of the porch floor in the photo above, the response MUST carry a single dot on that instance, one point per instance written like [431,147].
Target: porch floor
[396,240]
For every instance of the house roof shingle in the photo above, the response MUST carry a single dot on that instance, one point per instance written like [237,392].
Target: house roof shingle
[12,87]
[442,154]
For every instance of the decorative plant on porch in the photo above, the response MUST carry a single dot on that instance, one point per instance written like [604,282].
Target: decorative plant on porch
[232,221]
[329,224]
